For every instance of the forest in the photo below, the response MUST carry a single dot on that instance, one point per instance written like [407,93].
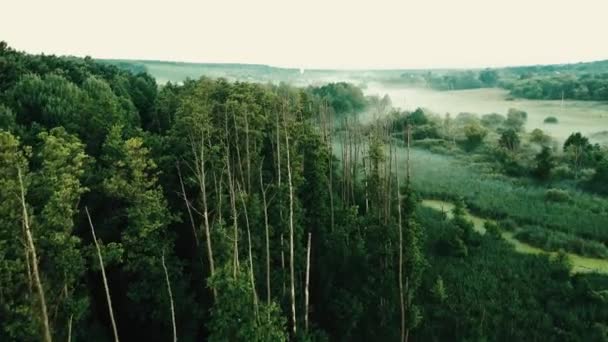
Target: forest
[237,211]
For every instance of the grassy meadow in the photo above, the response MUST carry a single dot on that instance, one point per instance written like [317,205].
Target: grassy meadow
[588,117]
[446,177]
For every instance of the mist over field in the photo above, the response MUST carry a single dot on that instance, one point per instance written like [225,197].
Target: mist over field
[587,117]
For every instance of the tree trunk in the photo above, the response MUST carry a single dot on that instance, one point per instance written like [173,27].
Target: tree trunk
[185,197]
[267,229]
[36,273]
[70,328]
[170,297]
[365,187]
[331,171]
[30,281]
[203,186]
[407,305]
[250,254]
[238,151]
[409,171]
[401,295]
[291,234]
[103,276]
[235,255]
[248,155]
[306,296]
[283,263]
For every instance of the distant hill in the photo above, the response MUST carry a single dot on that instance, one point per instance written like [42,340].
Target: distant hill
[167,71]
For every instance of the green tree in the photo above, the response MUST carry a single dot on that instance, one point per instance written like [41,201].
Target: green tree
[132,178]
[438,290]
[103,110]
[516,119]
[539,137]
[57,185]
[233,318]
[599,181]
[18,307]
[51,101]
[413,259]
[544,163]
[488,77]
[7,118]
[577,148]
[474,134]
[509,139]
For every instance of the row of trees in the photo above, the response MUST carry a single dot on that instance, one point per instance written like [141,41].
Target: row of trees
[555,87]
[452,80]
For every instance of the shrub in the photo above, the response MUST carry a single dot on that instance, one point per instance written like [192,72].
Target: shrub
[551,120]
[563,172]
[507,224]
[492,229]
[555,241]
[557,195]
[474,134]
[492,121]
[539,137]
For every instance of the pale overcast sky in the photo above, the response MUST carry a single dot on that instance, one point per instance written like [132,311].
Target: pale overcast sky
[315,33]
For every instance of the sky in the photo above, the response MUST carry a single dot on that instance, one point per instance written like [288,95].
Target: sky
[354,34]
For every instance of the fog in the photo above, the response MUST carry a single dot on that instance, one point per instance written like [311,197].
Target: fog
[587,117]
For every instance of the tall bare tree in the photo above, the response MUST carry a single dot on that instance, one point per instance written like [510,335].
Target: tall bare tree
[103,276]
[267,231]
[34,257]
[250,253]
[202,181]
[306,296]
[162,258]
[400,273]
[291,234]
[232,195]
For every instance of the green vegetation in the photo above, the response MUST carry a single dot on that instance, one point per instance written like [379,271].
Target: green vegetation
[343,97]
[550,120]
[583,87]
[495,293]
[556,241]
[208,205]
[496,196]
[235,211]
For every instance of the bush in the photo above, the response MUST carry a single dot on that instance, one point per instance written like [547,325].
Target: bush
[507,224]
[492,229]
[551,120]
[493,121]
[557,195]
[474,134]
[563,172]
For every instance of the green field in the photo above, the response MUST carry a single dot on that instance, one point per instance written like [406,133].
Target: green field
[492,196]
[580,264]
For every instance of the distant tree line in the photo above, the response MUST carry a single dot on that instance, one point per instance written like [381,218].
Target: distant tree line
[555,87]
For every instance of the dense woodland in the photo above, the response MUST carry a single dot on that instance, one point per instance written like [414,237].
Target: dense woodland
[232,211]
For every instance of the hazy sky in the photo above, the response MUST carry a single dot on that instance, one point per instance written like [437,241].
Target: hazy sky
[315,33]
